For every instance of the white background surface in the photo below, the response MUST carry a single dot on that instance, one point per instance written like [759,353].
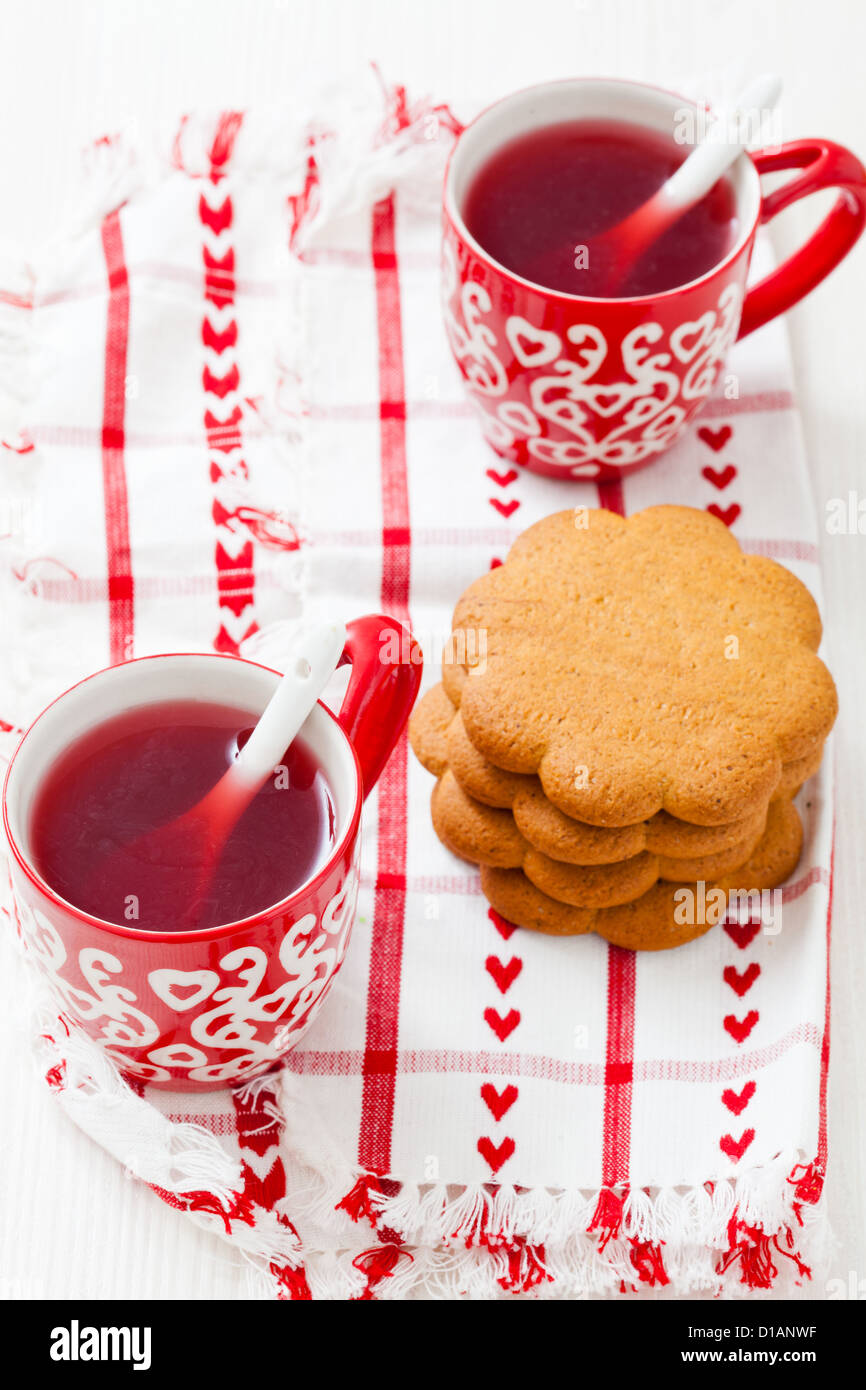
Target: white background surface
[71,1224]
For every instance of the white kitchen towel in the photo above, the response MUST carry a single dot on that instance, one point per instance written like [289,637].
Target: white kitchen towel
[229,400]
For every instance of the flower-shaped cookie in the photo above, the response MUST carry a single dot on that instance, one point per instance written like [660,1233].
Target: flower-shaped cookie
[638,665]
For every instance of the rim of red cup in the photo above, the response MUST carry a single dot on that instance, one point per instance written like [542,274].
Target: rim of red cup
[196,934]
[455,217]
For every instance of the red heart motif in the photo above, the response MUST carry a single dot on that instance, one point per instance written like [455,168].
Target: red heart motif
[606,402]
[216,218]
[219,341]
[740,1030]
[715,439]
[742,933]
[498,1102]
[504,508]
[221,385]
[735,1148]
[503,1026]
[737,1103]
[719,477]
[495,563]
[505,929]
[726,514]
[494,1155]
[532,346]
[741,982]
[184,991]
[503,479]
[504,975]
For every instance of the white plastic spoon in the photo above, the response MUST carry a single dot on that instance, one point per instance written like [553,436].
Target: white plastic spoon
[311,661]
[193,842]
[727,137]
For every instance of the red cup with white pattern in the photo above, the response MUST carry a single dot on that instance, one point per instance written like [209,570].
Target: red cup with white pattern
[193,1010]
[584,387]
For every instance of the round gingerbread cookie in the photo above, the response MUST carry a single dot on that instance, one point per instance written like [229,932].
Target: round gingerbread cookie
[476,775]
[795,773]
[561,837]
[474,832]
[428,726]
[641,664]
[485,835]
[439,742]
[661,918]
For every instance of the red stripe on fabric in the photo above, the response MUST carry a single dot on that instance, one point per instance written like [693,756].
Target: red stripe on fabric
[817,874]
[495,536]
[717,408]
[753,404]
[536,1067]
[121,589]
[168,274]
[611,497]
[825,1039]
[466,887]
[225,1125]
[782,549]
[223,414]
[756,403]
[619,1066]
[469,885]
[386,947]
[359,260]
[619,1048]
[417,409]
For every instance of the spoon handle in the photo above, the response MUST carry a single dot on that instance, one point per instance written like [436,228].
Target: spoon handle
[727,137]
[309,665]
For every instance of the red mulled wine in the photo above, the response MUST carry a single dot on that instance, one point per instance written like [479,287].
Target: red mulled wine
[540,202]
[140,771]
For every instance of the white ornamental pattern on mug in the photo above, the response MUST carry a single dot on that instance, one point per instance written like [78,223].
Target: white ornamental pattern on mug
[309,953]
[109,1010]
[471,340]
[647,406]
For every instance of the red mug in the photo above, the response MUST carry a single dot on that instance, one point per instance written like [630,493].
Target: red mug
[191,1010]
[591,388]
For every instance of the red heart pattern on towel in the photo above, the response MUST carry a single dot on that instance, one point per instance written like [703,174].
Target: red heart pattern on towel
[735,1148]
[726,514]
[741,981]
[737,1101]
[498,1102]
[742,933]
[740,1029]
[505,509]
[495,1154]
[503,975]
[715,439]
[502,1027]
[719,477]
[503,479]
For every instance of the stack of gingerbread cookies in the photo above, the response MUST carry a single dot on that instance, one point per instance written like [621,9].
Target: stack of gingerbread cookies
[627,709]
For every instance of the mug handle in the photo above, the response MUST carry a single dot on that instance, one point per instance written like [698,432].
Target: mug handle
[824,165]
[386,666]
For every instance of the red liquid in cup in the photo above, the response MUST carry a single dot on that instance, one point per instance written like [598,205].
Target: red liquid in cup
[544,195]
[139,771]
